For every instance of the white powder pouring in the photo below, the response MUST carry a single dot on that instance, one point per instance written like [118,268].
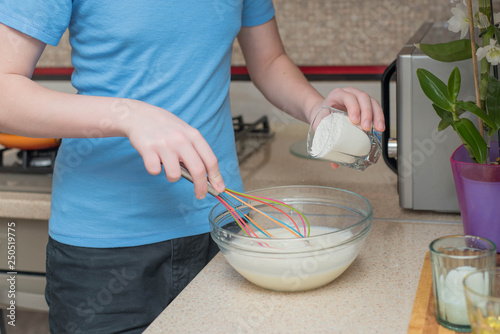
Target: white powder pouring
[338,140]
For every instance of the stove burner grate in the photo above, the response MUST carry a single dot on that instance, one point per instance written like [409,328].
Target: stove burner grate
[29,161]
[250,137]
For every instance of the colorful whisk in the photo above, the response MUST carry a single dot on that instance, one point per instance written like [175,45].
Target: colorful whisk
[238,206]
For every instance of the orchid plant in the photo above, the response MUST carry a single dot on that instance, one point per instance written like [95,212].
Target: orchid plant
[444,96]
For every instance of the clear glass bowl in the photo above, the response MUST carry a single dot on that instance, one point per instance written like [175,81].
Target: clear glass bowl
[340,222]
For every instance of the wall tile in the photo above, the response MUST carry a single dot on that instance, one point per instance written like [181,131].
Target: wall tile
[331,32]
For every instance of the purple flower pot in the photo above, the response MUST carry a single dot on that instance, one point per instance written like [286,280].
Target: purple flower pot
[478,191]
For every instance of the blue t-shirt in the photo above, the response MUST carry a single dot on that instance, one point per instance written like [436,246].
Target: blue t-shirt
[172,54]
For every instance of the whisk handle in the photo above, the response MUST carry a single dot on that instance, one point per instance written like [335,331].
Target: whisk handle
[185,174]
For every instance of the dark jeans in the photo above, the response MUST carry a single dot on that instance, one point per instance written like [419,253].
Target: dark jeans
[119,290]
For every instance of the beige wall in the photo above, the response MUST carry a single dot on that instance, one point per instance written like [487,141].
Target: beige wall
[331,32]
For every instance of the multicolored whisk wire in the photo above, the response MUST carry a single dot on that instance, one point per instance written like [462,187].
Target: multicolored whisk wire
[237,204]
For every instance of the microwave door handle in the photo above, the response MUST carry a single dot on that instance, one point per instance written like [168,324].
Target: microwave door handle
[386,80]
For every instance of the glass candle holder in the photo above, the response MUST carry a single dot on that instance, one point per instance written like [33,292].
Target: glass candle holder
[333,137]
[452,258]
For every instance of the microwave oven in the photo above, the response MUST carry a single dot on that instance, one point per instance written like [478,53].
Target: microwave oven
[420,154]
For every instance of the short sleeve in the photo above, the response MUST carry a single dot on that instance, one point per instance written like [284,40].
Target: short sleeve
[256,12]
[45,20]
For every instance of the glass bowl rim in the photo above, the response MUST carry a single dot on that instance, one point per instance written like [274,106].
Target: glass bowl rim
[368,218]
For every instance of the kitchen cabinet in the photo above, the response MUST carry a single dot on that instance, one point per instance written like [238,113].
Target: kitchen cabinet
[23,218]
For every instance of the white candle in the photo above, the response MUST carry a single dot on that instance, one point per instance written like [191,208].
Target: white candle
[451,296]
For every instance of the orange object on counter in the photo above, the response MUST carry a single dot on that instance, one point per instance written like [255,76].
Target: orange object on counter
[27,143]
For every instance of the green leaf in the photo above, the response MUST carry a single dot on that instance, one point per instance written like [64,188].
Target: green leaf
[434,89]
[473,108]
[471,137]
[445,115]
[448,52]
[443,125]
[454,84]
[493,100]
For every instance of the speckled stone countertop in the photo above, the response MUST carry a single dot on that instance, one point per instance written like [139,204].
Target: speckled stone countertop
[24,205]
[374,295]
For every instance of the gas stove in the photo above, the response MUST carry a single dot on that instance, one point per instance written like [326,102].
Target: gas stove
[27,170]
[24,161]
[31,170]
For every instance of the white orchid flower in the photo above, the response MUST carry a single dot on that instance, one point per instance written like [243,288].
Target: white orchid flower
[459,22]
[491,52]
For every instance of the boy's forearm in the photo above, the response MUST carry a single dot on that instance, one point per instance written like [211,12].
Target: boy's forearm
[29,109]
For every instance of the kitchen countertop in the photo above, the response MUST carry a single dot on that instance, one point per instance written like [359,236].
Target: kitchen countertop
[24,205]
[374,295]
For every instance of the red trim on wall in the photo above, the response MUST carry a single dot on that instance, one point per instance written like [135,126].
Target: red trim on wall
[336,70]
[242,70]
[53,71]
[327,70]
